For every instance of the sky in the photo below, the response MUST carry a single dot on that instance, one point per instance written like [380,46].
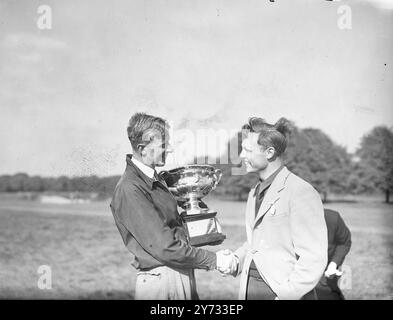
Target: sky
[67,93]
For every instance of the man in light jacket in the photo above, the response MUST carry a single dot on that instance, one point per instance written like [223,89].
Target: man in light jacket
[285,254]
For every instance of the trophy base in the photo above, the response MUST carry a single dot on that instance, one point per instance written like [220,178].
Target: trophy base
[203,229]
[212,239]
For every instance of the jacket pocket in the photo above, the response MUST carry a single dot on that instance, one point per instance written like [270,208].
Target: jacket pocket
[278,218]
[148,277]
[149,286]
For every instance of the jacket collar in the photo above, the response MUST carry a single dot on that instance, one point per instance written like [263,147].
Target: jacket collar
[264,184]
[131,165]
[272,194]
[149,172]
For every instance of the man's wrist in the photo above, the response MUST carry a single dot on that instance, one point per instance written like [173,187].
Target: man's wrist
[214,262]
[237,265]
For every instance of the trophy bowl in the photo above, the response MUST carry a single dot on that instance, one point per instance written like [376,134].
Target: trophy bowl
[189,184]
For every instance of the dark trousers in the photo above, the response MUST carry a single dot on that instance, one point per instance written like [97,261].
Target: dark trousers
[327,289]
[258,289]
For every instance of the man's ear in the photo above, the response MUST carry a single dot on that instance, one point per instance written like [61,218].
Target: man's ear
[271,153]
[141,149]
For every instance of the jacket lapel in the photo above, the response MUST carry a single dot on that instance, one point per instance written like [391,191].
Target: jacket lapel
[250,208]
[272,195]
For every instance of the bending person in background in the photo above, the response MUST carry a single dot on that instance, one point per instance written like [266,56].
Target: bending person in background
[339,244]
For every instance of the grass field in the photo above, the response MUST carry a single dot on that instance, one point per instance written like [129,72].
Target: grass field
[89,261]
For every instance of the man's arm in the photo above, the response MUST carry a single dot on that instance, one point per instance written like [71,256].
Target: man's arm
[240,255]
[241,252]
[139,216]
[343,241]
[309,236]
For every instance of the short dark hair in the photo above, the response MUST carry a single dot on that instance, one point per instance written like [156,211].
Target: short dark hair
[141,124]
[271,135]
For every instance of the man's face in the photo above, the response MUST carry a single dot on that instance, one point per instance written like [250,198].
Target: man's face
[155,153]
[255,156]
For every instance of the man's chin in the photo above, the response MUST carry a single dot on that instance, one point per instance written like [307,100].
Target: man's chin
[249,168]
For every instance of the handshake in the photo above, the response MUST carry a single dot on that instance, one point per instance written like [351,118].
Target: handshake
[227,262]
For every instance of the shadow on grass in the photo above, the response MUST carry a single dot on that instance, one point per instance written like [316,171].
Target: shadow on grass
[106,295]
[11,294]
[340,201]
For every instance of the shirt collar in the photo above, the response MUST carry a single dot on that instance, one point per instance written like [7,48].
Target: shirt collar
[264,184]
[140,168]
[144,168]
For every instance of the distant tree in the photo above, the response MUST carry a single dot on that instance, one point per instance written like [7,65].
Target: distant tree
[49,183]
[83,184]
[104,186]
[313,156]
[34,184]
[357,181]
[17,182]
[5,183]
[62,183]
[376,160]
[107,185]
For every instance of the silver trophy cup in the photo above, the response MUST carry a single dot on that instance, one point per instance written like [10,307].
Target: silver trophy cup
[189,184]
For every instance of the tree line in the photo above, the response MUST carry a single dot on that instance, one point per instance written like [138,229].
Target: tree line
[21,182]
[311,154]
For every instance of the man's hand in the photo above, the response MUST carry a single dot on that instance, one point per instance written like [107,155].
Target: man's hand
[227,262]
[332,270]
[219,229]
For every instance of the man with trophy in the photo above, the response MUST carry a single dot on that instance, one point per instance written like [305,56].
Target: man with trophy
[146,215]
[286,249]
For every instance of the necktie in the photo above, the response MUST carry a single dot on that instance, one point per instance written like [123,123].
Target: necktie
[258,200]
[159,179]
[260,195]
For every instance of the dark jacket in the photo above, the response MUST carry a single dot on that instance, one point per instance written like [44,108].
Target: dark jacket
[146,215]
[339,237]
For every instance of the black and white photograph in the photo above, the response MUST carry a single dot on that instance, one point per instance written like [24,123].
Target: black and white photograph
[196,150]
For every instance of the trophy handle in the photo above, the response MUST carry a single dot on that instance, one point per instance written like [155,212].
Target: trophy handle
[217,175]
[162,174]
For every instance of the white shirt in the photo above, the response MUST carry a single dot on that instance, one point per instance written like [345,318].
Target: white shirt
[144,168]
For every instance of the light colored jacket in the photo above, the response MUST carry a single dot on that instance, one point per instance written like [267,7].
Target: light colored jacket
[289,245]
